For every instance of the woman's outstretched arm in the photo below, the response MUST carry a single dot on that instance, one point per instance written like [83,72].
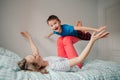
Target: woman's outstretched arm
[87,49]
[32,44]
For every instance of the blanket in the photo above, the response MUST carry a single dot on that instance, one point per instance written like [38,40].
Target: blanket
[91,70]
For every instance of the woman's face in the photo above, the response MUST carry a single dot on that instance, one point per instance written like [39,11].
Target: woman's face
[34,59]
[55,25]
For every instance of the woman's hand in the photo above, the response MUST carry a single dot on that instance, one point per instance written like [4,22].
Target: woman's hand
[102,34]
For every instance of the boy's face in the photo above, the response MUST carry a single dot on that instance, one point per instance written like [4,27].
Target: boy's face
[55,25]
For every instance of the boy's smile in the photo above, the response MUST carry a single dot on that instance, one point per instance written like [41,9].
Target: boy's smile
[56,28]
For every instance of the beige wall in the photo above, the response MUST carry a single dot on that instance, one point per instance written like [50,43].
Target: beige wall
[31,15]
[109,14]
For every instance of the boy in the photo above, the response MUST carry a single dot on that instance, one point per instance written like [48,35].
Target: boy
[68,30]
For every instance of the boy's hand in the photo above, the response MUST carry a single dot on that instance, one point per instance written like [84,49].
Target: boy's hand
[46,37]
[49,35]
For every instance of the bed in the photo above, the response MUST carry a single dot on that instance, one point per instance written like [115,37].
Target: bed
[92,70]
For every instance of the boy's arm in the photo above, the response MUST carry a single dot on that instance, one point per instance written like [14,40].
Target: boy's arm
[49,35]
[89,28]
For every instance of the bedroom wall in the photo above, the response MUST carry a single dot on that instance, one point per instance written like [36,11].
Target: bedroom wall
[31,15]
[109,14]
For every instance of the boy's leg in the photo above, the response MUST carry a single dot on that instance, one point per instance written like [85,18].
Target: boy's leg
[68,42]
[79,24]
[60,48]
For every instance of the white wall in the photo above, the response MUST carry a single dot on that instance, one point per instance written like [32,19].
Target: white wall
[31,15]
[109,14]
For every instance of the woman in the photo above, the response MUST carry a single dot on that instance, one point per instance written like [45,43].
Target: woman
[35,62]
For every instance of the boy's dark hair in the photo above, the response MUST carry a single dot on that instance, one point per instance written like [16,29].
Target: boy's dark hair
[51,17]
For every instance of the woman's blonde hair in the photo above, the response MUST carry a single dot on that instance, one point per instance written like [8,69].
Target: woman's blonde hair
[24,65]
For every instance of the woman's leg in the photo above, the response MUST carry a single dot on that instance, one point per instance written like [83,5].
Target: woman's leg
[68,43]
[60,48]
